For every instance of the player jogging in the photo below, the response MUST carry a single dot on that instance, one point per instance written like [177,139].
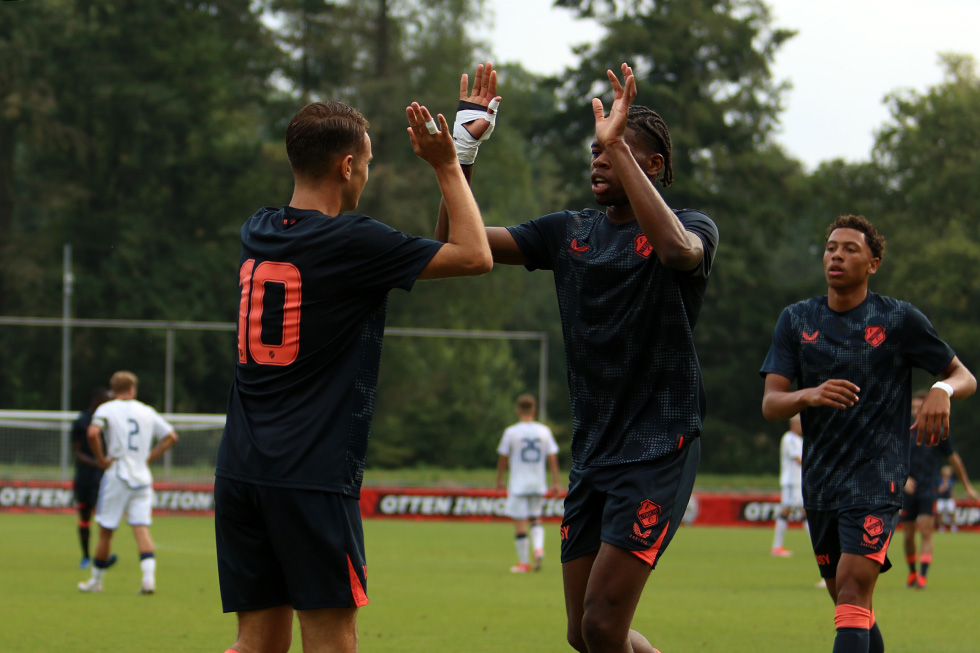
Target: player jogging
[630,282]
[314,284]
[525,449]
[851,353]
[130,428]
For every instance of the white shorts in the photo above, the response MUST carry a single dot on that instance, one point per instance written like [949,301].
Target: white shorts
[946,505]
[117,498]
[525,506]
[791,496]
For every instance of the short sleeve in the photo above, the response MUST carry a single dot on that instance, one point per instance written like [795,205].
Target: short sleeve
[704,228]
[161,427]
[552,446]
[385,257]
[99,417]
[504,447]
[540,240]
[781,358]
[922,346]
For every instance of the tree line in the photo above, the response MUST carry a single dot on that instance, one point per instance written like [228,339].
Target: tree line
[145,133]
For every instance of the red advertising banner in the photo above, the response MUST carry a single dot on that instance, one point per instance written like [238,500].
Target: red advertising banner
[704,509]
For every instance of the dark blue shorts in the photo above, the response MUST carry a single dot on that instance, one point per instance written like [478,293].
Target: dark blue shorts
[284,546]
[637,507]
[86,494]
[861,530]
[914,505]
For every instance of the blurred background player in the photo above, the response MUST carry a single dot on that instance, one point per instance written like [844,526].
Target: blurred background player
[848,344]
[945,502]
[88,474]
[790,484]
[130,428]
[525,449]
[921,493]
[291,461]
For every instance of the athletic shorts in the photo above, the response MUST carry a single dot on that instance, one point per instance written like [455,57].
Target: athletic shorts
[914,506]
[525,506]
[285,546]
[861,530]
[86,494]
[116,499]
[791,496]
[946,505]
[637,507]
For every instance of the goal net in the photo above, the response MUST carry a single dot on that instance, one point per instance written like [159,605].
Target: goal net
[36,445]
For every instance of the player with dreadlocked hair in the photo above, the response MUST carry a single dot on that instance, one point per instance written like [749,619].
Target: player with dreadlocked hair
[630,282]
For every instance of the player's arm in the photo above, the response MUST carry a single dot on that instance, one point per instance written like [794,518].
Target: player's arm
[94,435]
[779,401]
[555,474]
[675,246]
[466,252]
[932,422]
[81,456]
[168,441]
[472,128]
[502,461]
[957,464]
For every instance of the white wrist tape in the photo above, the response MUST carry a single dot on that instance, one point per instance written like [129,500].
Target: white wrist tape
[942,385]
[466,145]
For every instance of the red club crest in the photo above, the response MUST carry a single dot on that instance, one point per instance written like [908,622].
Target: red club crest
[874,335]
[642,246]
[874,525]
[648,514]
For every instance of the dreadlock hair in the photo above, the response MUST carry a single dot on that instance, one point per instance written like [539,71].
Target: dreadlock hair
[650,131]
[874,240]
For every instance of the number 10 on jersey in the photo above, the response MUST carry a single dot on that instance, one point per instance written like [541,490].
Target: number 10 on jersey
[270,290]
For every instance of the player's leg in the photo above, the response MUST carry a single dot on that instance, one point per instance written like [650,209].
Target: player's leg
[926,527]
[267,630]
[908,517]
[329,630]
[782,523]
[536,529]
[575,578]
[84,528]
[140,516]
[617,578]
[517,509]
[112,503]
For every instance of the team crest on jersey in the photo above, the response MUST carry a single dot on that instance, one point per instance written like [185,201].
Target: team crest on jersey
[810,337]
[874,335]
[577,249]
[648,513]
[642,246]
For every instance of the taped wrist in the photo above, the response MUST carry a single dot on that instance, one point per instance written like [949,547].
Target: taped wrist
[466,112]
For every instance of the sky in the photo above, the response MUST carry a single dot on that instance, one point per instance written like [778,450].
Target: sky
[846,57]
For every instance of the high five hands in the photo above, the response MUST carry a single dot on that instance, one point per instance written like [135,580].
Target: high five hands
[611,128]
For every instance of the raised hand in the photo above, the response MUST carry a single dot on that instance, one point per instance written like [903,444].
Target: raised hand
[431,141]
[613,127]
[483,94]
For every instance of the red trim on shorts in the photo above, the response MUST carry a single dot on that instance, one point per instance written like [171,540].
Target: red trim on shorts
[852,616]
[357,590]
[925,558]
[879,556]
[650,555]
[680,443]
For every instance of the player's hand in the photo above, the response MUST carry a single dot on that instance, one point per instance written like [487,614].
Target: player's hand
[431,139]
[932,422]
[910,485]
[612,128]
[973,493]
[835,393]
[484,94]
[105,463]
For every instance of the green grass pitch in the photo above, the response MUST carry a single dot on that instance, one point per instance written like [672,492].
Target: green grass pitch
[438,586]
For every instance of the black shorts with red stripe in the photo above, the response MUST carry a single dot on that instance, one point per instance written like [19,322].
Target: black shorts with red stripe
[286,546]
[635,506]
[861,530]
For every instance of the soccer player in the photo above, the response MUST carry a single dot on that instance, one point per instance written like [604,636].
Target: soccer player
[851,353]
[130,428]
[790,484]
[630,282]
[524,450]
[921,494]
[313,291]
[88,474]
[945,503]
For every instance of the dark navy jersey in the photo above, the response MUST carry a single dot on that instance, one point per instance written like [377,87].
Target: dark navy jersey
[628,324]
[313,291]
[84,474]
[859,455]
[925,463]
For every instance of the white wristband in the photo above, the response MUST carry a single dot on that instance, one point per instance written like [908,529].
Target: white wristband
[945,387]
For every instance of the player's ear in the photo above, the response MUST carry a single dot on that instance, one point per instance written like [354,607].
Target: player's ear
[873,266]
[346,164]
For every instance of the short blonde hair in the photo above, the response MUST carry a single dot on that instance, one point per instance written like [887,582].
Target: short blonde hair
[122,381]
[527,404]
